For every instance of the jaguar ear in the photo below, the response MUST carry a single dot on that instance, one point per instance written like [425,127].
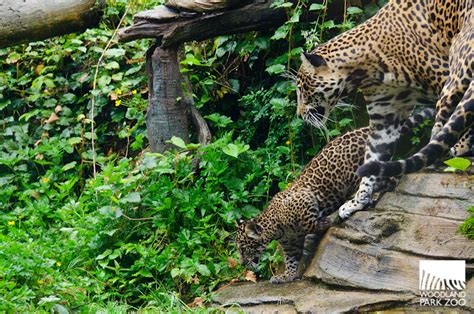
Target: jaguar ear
[312,59]
[240,222]
[253,230]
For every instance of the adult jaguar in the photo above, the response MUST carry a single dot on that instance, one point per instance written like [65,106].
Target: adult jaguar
[412,52]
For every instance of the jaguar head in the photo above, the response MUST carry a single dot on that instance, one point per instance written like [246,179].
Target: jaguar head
[319,89]
[250,242]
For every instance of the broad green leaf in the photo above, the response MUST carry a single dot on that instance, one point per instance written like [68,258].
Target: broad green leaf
[50,299]
[354,10]
[133,197]
[115,52]
[281,32]
[112,65]
[317,6]
[345,121]
[68,166]
[458,163]
[175,272]
[104,80]
[281,4]
[328,24]
[203,270]
[235,150]
[275,69]
[295,18]
[177,142]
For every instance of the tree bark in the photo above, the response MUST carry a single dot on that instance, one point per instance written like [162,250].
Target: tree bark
[166,115]
[23,21]
[180,29]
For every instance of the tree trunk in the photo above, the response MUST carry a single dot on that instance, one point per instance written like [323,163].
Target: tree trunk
[166,116]
[23,21]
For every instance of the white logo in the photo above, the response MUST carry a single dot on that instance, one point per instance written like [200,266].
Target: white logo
[442,283]
[442,275]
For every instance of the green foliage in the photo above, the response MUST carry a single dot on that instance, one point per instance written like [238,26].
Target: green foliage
[467,227]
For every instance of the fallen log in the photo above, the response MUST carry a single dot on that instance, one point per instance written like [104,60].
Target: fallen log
[23,21]
[172,28]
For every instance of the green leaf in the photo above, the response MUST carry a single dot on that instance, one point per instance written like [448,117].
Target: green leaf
[50,299]
[317,6]
[58,308]
[295,18]
[175,272]
[354,10]
[115,52]
[458,163]
[133,197]
[281,32]
[328,24]
[281,4]
[112,65]
[68,166]
[220,120]
[145,273]
[235,150]
[275,69]
[177,142]
[203,270]
[104,80]
[345,121]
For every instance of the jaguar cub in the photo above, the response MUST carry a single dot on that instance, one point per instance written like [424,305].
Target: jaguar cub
[326,182]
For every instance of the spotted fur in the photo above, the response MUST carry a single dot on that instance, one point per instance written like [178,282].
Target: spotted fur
[412,52]
[301,210]
[465,145]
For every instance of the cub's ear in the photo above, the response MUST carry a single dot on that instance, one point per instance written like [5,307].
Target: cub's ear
[314,60]
[253,230]
[240,222]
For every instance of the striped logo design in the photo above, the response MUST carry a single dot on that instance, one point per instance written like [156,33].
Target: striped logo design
[442,275]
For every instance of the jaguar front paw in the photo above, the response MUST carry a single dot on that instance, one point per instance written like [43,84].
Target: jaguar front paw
[349,207]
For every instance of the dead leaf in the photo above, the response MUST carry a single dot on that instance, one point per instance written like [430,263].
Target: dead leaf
[113,96]
[58,108]
[197,302]
[83,77]
[53,117]
[232,262]
[250,276]
[39,69]
[39,157]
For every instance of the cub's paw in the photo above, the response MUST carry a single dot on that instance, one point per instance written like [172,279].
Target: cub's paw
[283,278]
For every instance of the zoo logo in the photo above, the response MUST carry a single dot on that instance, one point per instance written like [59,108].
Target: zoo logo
[442,282]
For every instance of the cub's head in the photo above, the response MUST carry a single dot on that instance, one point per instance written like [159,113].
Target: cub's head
[319,88]
[250,242]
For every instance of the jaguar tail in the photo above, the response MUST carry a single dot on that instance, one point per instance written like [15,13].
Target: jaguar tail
[460,121]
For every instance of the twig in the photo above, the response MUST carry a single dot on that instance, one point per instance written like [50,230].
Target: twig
[449,239]
[94,83]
